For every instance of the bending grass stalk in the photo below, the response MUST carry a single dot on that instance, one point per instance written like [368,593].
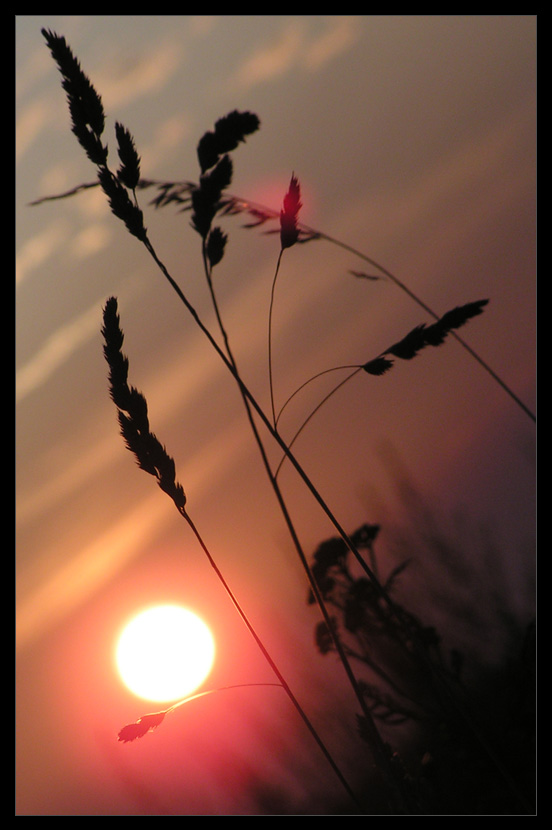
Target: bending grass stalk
[272,664]
[270,380]
[378,747]
[310,380]
[313,233]
[319,405]
[380,590]
[88,124]
[445,688]
[407,348]
[149,722]
[433,314]
[262,213]
[153,458]
[236,204]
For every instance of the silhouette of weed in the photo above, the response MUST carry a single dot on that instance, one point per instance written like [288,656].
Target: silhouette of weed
[365,605]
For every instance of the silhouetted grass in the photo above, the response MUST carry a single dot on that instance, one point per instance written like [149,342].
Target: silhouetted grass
[152,457]
[368,606]
[488,768]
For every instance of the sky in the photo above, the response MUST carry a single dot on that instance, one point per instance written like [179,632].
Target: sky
[413,139]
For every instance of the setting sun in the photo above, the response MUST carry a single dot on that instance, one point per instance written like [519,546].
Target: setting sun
[164,653]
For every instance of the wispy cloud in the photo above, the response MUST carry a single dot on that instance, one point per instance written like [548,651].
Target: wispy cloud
[56,350]
[170,134]
[39,248]
[90,240]
[295,47]
[341,33]
[478,175]
[29,125]
[274,59]
[125,83]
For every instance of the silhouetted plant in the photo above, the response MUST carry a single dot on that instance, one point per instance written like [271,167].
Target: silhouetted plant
[367,605]
[178,194]
[152,457]
[147,723]
[399,691]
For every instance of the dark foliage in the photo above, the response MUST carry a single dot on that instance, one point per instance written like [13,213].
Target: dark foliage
[459,759]
[121,204]
[129,172]
[206,197]
[378,366]
[229,131]
[434,335]
[216,171]
[216,244]
[151,456]
[85,105]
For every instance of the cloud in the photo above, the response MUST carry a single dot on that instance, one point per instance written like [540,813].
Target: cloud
[273,60]
[29,125]
[90,240]
[39,248]
[121,84]
[341,33]
[171,133]
[295,47]
[56,350]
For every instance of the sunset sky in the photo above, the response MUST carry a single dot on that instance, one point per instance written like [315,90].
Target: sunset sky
[414,141]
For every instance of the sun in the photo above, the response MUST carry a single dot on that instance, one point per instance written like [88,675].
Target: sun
[164,653]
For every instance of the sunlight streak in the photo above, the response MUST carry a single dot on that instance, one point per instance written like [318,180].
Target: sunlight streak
[75,578]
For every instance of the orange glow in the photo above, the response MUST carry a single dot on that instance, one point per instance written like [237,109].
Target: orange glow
[164,653]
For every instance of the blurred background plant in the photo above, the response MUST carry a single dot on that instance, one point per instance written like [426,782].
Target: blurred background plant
[447,767]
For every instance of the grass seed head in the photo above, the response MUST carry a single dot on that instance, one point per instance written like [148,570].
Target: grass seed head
[289,232]
[147,723]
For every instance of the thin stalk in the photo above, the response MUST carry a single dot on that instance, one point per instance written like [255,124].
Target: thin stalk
[310,380]
[429,310]
[270,337]
[317,407]
[313,233]
[378,746]
[212,692]
[269,660]
[384,595]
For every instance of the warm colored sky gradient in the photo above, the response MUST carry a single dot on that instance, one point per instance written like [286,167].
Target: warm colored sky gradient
[414,141]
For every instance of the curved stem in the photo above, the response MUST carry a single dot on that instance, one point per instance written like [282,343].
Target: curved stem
[269,659]
[270,336]
[306,383]
[317,407]
[316,234]
[283,446]
[212,692]
[430,311]
[378,746]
